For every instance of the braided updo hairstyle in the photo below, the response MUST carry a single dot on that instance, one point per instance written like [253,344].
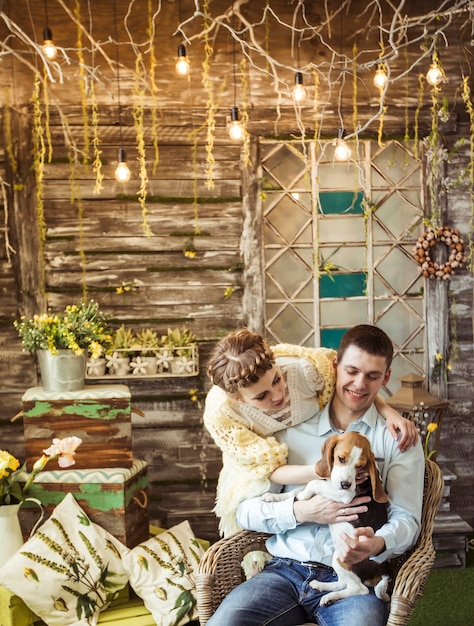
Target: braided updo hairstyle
[239,360]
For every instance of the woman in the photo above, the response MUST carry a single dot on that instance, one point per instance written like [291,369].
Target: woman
[257,391]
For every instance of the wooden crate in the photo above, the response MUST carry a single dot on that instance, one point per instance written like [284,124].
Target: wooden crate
[100,415]
[114,498]
[450,540]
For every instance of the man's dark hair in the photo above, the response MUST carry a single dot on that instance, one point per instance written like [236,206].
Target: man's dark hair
[368,338]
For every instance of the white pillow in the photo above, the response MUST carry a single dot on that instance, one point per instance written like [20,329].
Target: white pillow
[162,571]
[69,570]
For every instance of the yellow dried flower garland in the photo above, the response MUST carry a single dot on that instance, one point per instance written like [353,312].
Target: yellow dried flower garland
[457,257]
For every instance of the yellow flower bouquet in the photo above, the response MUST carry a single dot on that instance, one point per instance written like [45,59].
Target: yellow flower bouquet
[11,491]
[78,328]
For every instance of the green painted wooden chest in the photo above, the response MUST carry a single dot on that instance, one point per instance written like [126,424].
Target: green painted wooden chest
[114,498]
[99,414]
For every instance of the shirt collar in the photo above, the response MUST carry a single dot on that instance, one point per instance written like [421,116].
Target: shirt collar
[325,426]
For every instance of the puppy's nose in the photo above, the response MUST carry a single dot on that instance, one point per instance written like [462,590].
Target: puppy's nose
[345,484]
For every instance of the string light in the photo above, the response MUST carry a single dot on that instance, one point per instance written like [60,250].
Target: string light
[122,172]
[48,47]
[435,75]
[299,91]
[341,149]
[342,152]
[236,132]
[183,65]
[380,76]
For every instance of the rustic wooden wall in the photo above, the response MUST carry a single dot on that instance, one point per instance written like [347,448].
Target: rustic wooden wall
[171,289]
[457,436]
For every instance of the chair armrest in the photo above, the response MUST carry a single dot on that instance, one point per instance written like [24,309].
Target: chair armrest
[220,569]
[414,572]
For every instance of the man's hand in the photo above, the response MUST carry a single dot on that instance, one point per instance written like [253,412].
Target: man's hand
[363,545]
[320,510]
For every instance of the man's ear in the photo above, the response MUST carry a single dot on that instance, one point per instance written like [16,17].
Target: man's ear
[387,376]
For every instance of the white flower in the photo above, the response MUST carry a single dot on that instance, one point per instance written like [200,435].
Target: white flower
[139,366]
[184,365]
[164,358]
[112,360]
[94,367]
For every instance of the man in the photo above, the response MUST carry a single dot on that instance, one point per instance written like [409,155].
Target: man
[301,545]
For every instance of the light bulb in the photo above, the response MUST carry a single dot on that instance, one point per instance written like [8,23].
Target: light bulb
[49,49]
[434,75]
[122,172]
[236,132]
[183,66]
[380,76]
[299,92]
[342,152]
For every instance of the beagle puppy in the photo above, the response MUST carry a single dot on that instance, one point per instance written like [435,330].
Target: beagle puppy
[344,457]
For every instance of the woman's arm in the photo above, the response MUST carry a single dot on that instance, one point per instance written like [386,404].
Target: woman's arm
[293,474]
[402,430]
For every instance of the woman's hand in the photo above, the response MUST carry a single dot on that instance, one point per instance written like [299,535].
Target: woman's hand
[402,430]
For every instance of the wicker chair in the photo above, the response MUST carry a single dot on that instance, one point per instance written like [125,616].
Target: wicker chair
[220,570]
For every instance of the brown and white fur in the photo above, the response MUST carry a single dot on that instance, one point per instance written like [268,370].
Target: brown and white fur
[343,457]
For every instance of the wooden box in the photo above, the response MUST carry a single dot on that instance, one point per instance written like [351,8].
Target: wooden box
[114,498]
[100,415]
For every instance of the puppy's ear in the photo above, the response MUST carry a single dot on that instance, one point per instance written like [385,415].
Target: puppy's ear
[324,466]
[378,492]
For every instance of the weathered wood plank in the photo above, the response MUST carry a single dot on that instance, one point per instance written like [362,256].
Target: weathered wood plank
[166,170]
[99,262]
[60,211]
[193,280]
[229,188]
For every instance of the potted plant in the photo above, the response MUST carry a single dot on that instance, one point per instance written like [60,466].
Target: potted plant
[147,343]
[182,345]
[62,340]
[118,359]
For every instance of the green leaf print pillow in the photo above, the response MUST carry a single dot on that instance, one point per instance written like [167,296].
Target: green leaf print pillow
[162,571]
[69,570]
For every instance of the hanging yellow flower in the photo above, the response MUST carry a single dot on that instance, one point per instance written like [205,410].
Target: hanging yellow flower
[432,426]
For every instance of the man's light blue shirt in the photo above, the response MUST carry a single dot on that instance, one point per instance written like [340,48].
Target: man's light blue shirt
[402,476]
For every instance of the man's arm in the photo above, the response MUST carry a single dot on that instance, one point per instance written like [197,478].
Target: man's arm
[278,517]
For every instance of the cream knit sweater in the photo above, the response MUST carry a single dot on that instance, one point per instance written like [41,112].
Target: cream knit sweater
[249,453]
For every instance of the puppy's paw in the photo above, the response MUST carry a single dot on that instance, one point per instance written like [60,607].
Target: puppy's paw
[327,600]
[381,587]
[274,497]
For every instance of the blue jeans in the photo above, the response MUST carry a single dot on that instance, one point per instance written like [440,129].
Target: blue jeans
[280,595]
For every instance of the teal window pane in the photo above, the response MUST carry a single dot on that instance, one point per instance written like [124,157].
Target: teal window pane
[338,285]
[331,337]
[338,202]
